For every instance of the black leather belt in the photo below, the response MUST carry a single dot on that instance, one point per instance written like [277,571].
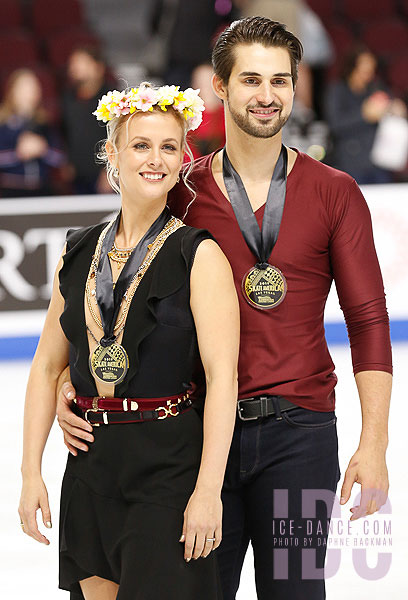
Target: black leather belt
[263,406]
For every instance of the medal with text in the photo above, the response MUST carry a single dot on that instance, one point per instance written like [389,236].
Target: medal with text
[264,286]
[109,364]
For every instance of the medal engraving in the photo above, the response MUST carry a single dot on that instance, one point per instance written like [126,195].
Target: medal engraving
[109,364]
[264,288]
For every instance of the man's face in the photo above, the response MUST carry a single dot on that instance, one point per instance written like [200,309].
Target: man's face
[83,68]
[259,94]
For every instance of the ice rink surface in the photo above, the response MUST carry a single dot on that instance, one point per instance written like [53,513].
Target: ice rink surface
[29,569]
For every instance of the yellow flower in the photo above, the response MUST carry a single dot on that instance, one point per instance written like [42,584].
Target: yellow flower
[166,95]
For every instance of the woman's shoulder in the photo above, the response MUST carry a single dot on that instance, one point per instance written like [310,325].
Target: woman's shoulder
[193,233]
[78,237]
[190,238]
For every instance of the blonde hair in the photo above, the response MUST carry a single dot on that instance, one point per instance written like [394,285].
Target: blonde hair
[113,130]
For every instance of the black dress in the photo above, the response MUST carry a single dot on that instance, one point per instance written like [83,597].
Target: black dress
[122,502]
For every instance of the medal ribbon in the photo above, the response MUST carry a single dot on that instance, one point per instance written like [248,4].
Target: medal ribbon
[261,243]
[109,299]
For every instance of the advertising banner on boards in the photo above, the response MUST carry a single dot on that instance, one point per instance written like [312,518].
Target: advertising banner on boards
[32,236]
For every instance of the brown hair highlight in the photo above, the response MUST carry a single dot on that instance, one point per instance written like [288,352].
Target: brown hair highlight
[254,30]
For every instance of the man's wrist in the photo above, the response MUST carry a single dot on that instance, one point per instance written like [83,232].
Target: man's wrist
[374,443]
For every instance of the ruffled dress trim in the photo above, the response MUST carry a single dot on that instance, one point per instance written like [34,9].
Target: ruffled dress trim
[165,276]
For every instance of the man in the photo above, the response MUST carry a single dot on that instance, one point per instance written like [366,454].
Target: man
[87,78]
[283,464]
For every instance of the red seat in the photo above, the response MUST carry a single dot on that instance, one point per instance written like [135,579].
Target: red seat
[18,49]
[363,10]
[386,37]
[323,8]
[342,37]
[60,45]
[48,17]
[398,75]
[11,15]
[51,100]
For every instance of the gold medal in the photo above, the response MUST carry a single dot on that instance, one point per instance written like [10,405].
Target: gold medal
[264,288]
[109,364]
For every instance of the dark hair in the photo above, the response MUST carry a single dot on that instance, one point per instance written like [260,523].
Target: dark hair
[254,30]
[92,50]
[351,58]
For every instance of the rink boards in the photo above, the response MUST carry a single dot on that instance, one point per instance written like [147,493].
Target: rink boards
[32,236]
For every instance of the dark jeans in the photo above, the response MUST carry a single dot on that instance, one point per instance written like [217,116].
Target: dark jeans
[271,463]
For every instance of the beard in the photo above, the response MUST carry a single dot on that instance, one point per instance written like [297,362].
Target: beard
[265,129]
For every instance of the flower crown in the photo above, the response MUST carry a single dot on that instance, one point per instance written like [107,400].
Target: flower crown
[188,103]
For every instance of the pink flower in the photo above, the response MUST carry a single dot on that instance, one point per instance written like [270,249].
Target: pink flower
[147,98]
[194,122]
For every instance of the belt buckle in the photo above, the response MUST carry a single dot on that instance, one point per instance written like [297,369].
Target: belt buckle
[240,409]
[95,408]
[168,410]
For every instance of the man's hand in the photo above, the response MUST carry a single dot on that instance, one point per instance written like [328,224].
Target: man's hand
[75,429]
[368,468]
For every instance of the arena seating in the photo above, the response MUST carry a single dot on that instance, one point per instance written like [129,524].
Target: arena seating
[60,45]
[48,17]
[366,10]
[19,49]
[40,34]
[398,74]
[386,37]
[11,15]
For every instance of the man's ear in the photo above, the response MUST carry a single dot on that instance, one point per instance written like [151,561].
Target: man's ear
[219,87]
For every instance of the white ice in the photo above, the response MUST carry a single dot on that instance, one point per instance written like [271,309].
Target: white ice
[29,569]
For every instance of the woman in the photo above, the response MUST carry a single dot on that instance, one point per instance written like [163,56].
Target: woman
[29,147]
[354,107]
[135,295]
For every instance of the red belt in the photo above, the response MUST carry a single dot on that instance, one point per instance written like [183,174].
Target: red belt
[99,410]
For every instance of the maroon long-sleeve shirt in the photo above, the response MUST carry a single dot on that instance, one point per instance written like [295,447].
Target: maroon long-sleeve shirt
[325,234]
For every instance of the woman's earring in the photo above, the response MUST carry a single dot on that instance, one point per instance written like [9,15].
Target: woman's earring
[116,172]
[178,179]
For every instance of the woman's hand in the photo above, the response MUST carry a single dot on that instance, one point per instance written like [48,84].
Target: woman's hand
[34,495]
[202,520]
[31,146]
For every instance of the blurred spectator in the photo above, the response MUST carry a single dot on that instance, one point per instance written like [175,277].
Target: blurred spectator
[354,107]
[194,24]
[29,146]
[210,136]
[87,83]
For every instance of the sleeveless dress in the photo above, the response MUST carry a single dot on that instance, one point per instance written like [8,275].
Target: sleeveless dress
[122,502]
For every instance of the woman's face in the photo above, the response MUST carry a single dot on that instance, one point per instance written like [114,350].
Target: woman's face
[151,155]
[25,94]
[365,68]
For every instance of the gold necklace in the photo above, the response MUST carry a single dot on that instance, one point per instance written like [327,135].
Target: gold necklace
[171,226]
[120,255]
